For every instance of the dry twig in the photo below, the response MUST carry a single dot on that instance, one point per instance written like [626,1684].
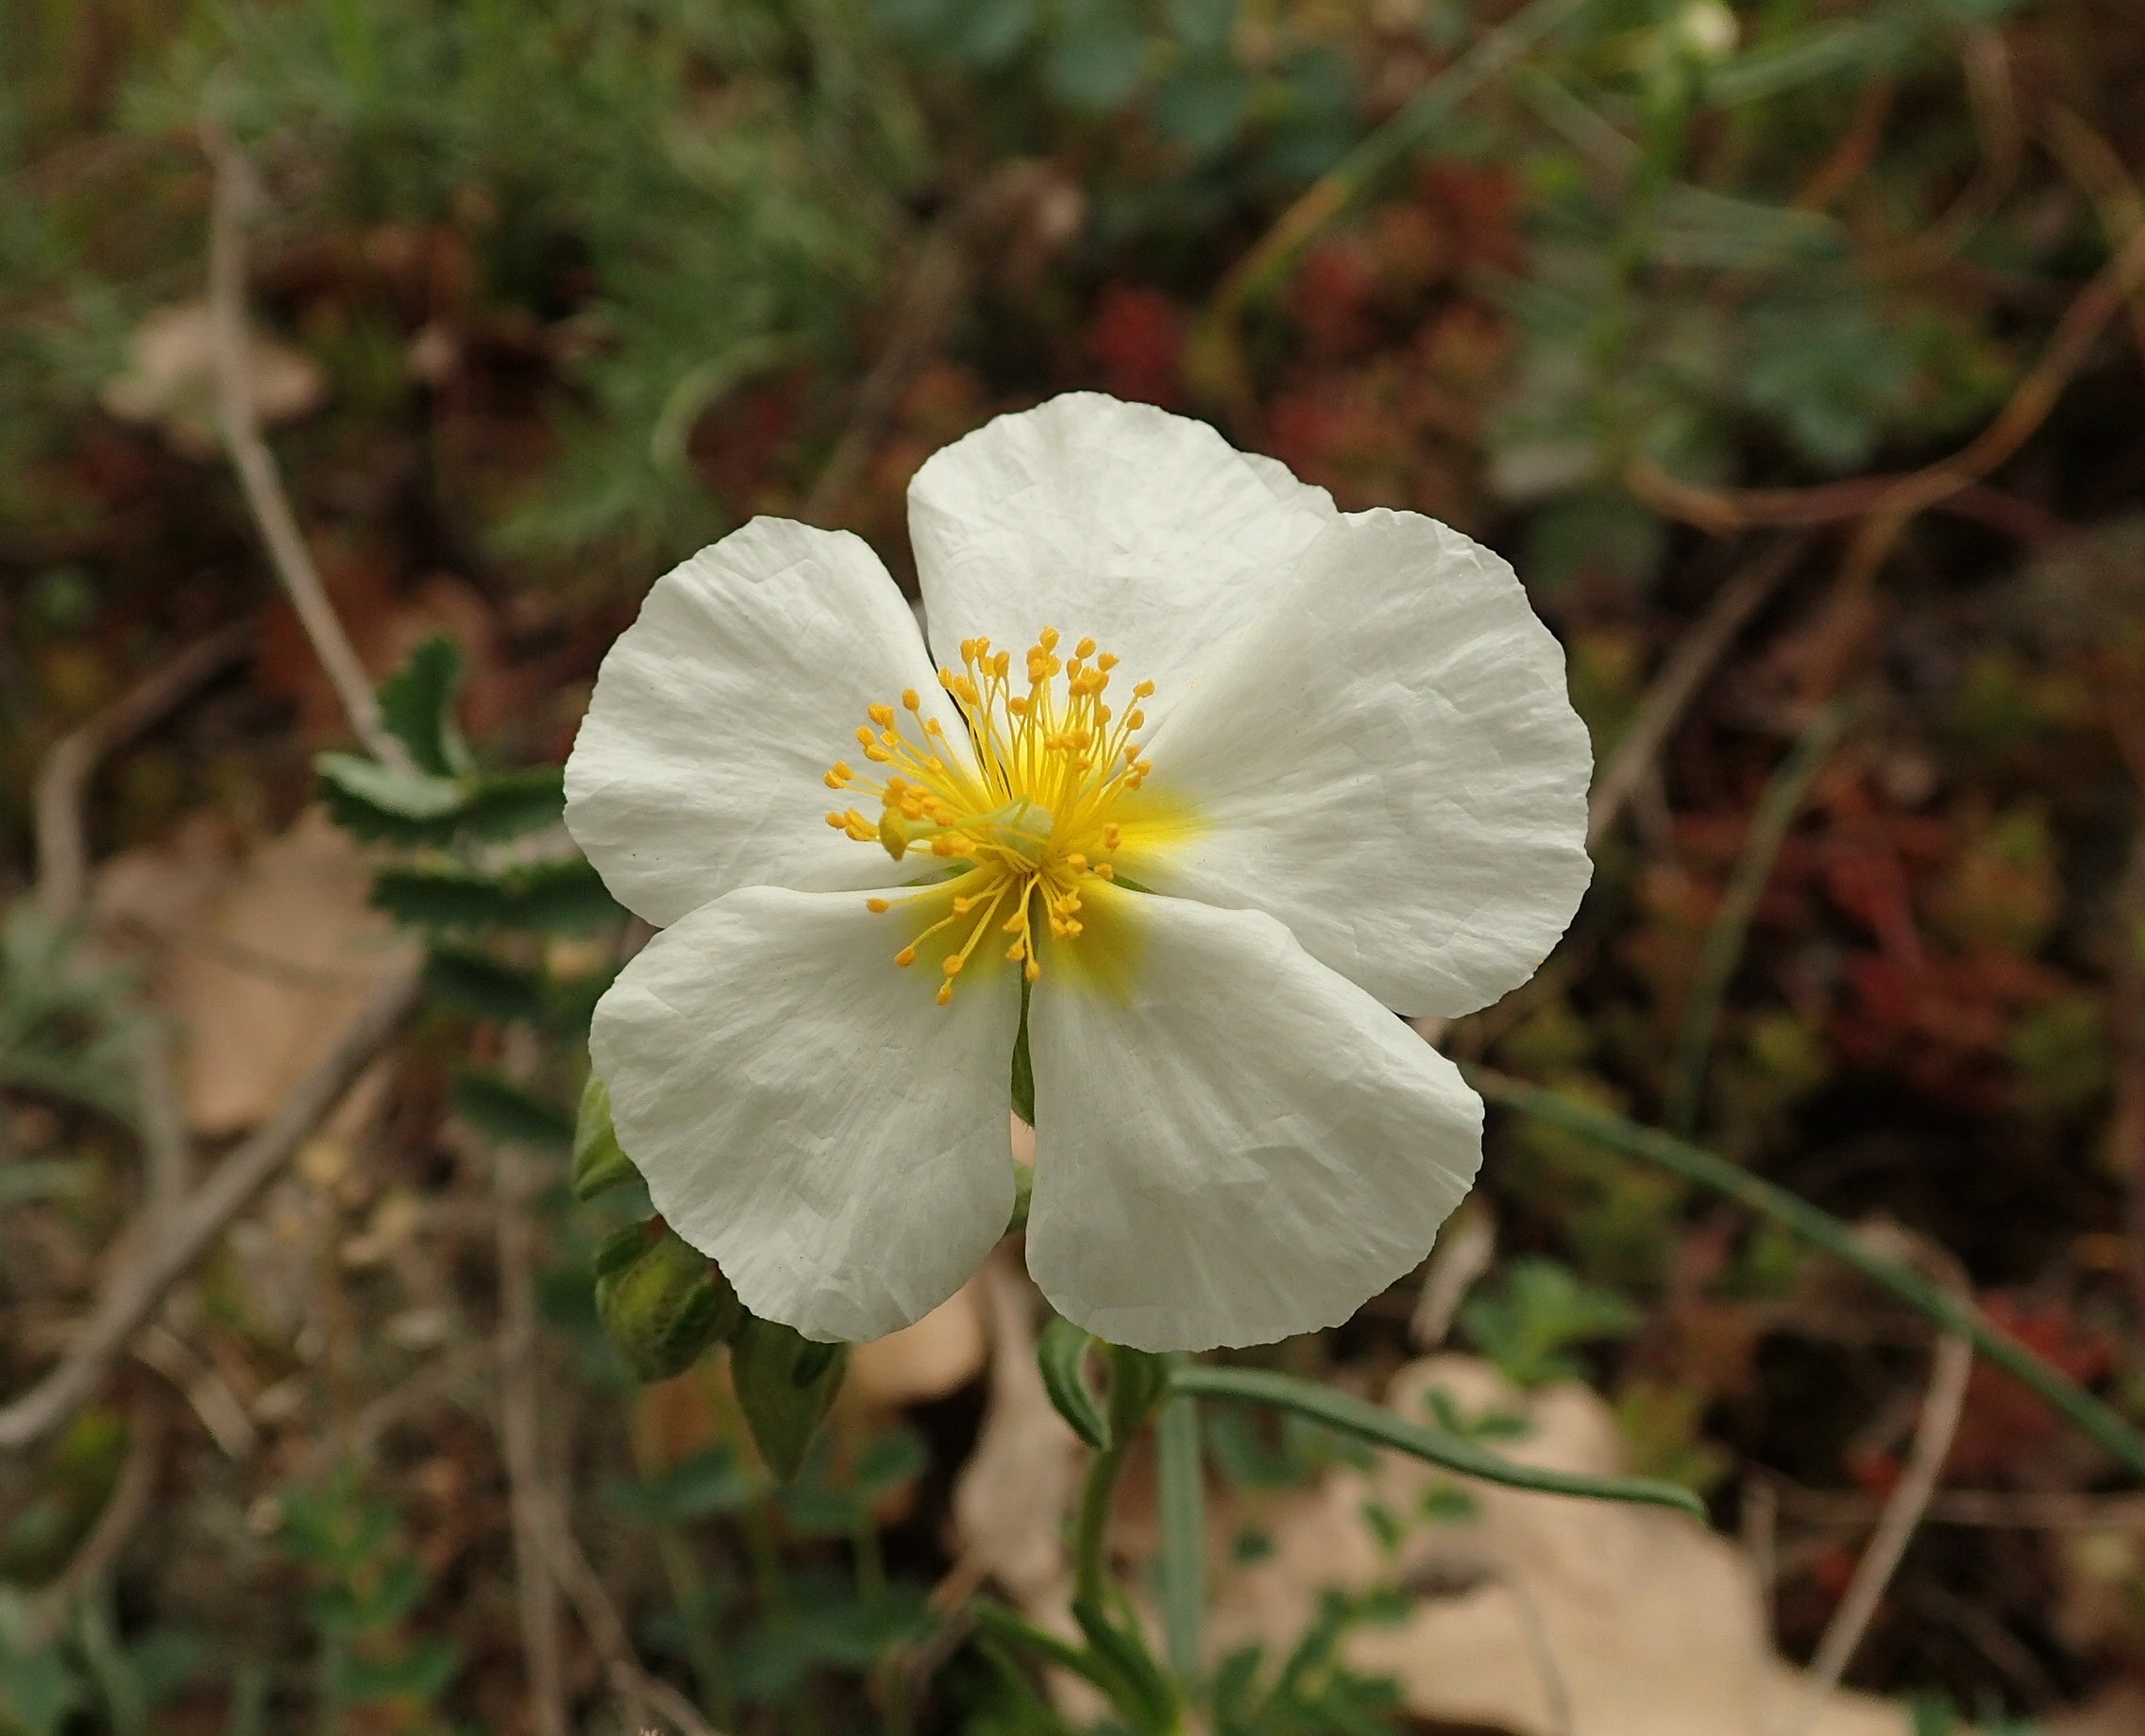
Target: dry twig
[63,785]
[1935,1427]
[1697,653]
[929,300]
[521,1442]
[139,1287]
[237,195]
[123,1509]
[630,1679]
[1896,499]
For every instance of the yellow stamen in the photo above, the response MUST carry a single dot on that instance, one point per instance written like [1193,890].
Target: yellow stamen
[1027,821]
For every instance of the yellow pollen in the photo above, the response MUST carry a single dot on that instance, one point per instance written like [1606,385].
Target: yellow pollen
[1024,817]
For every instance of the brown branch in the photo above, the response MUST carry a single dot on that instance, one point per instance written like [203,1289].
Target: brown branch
[1697,653]
[138,1289]
[237,193]
[124,1510]
[63,785]
[1941,1406]
[1897,497]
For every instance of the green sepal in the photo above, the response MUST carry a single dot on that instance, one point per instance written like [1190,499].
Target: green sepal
[417,703]
[785,1386]
[1023,1195]
[1024,1066]
[600,1162]
[1139,1380]
[1061,1354]
[663,1303]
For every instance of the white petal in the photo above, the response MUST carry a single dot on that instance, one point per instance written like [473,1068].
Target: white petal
[1233,1143]
[806,1115]
[1389,763]
[699,766]
[1147,531]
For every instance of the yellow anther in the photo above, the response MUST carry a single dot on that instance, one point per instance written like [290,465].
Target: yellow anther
[905,957]
[1145,690]
[1022,813]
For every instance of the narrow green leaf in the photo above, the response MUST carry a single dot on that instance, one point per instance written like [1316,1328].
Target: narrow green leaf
[1371,1422]
[1061,1353]
[501,1110]
[783,1411]
[417,703]
[1135,1681]
[1710,1170]
[600,1162]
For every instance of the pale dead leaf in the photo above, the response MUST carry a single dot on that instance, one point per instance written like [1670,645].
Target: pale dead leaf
[1010,1502]
[940,1354]
[1653,1623]
[264,969]
[171,377]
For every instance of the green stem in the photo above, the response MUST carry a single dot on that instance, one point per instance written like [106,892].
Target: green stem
[1181,1495]
[1724,942]
[1696,1164]
[1373,1422]
[1091,1537]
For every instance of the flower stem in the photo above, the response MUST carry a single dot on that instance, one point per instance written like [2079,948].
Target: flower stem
[1091,1538]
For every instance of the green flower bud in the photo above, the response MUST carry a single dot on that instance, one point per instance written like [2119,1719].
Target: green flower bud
[662,1302]
[785,1386]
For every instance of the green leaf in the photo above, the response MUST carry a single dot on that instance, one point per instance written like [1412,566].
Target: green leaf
[501,1109]
[711,1482]
[565,896]
[600,1162]
[1537,1311]
[417,703]
[403,795]
[1180,1494]
[663,1305]
[1061,1353]
[482,987]
[785,1410]
[1099,53]
[1132,1679]
[506,804]
[1374,1423]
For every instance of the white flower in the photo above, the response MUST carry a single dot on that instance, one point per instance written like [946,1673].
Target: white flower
[1218,773]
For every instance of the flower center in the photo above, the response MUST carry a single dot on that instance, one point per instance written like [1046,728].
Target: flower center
[1034,819]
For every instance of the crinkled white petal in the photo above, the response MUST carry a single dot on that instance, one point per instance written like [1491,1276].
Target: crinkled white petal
[804,1113]
[1147,531]
[699,766]
[1388,763]
[1233,1143]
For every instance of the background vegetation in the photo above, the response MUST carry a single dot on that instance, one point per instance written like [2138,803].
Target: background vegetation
[1791,351]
